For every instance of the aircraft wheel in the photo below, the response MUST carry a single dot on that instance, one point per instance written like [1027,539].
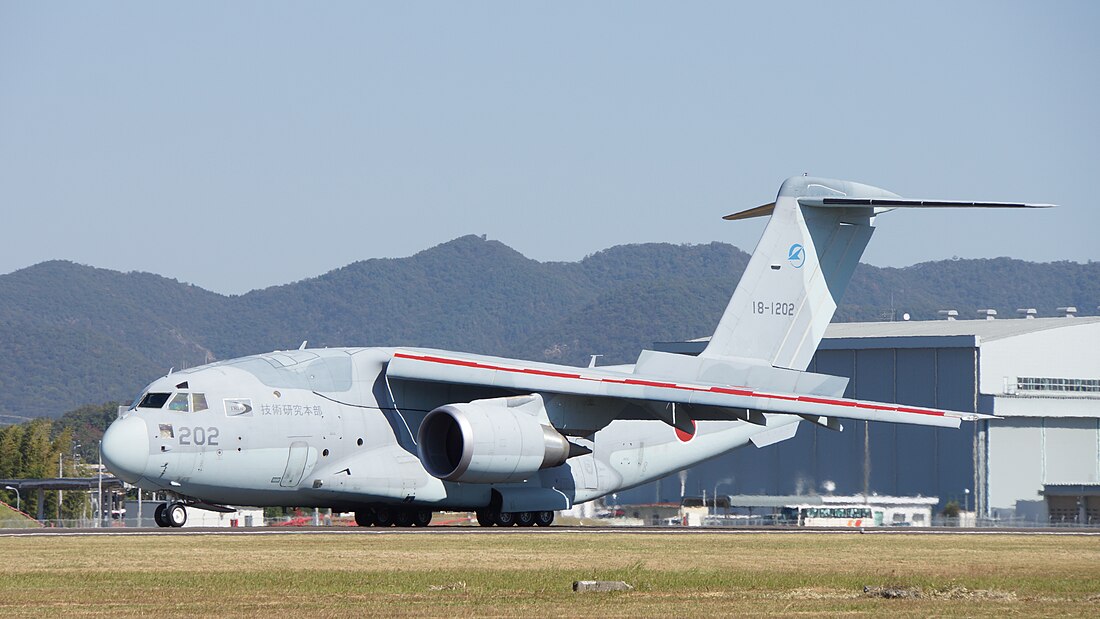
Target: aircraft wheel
[422,517]
[383,517]
[158,515]
[175,515]
[484,518]
[525,519]
[364,518]
[403,518]
[544,519]
[504,519]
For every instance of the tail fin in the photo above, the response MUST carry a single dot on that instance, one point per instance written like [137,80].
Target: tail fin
[802,265]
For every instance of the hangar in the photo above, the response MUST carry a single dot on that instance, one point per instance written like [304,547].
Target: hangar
[1040,461]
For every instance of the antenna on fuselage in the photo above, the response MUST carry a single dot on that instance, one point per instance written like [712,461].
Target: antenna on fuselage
[303,346]
[592,361]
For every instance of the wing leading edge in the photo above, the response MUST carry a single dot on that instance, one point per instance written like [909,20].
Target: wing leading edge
[447,367]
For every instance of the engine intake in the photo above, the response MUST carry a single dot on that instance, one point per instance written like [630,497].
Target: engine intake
[486,443]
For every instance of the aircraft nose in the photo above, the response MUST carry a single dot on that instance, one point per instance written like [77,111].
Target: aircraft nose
[125,448]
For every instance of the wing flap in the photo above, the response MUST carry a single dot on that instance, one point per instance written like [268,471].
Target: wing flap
[534,377]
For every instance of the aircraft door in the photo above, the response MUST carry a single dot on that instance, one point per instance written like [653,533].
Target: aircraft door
[295,464]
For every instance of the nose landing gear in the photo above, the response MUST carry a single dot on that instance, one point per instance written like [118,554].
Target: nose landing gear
[170,515]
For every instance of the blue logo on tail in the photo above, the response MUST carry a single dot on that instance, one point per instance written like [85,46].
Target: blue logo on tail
[797,256]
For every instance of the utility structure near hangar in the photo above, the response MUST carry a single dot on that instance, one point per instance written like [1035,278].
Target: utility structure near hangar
[1039,461]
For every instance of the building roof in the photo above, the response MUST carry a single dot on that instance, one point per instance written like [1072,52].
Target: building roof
[987,330]
[916,333]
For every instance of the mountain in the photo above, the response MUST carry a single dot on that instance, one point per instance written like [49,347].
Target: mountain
[72,334]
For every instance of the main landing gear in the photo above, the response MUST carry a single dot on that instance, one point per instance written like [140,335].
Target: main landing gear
[170,515]
[490,517]
[390,517]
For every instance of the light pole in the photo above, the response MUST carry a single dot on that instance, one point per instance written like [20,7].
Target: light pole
[966,499]
[18,499]
[720,483]
[99,495]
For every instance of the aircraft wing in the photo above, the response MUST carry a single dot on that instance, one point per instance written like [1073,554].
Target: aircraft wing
[449,367]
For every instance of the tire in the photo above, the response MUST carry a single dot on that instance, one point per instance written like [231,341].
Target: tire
[544,519]
[484,518]
[403,518]
[364,518]
[504,519]
[158,515]
[383,517]
[175,515]
[525,519]
[422,517]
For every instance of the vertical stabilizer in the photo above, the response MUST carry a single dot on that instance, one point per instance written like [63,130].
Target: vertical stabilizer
[798,273]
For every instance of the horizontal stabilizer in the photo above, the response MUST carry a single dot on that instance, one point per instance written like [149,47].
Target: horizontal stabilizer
[756,211]
[906,203]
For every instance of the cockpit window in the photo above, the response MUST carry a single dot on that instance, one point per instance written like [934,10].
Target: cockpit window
[179,403]
[154,400]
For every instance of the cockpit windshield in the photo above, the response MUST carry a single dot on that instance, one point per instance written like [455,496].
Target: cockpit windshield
[154,400]
[178,402]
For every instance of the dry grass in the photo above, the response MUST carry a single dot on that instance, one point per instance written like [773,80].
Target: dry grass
[509,575]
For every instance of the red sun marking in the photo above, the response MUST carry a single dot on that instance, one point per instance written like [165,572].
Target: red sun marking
[686,436]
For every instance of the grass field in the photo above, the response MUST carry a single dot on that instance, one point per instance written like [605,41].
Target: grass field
[13,519]
[514,575]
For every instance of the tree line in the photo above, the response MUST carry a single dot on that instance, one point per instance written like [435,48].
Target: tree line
[46,448]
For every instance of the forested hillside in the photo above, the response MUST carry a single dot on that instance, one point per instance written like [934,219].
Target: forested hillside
[72,334]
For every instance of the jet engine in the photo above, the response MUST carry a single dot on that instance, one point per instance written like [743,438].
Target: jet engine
[481,442]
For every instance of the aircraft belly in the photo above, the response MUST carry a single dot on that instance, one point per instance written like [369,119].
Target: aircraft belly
[388,473]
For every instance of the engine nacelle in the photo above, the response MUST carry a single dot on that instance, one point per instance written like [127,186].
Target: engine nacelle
[481,442]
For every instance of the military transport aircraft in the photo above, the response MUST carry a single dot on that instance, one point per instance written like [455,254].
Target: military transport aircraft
[395,433]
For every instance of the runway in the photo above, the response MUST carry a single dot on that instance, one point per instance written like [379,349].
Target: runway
[561,530]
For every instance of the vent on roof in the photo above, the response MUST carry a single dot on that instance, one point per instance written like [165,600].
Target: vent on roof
[949,314]
[990,314]
[1070,311]
[1028,313]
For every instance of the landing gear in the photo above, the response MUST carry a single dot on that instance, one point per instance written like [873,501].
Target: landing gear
[388,517]
[175,515]
[383,517]
[403,518]
[490,517]
[158,515]
[422,517]
[364,517]
[504,519]
[170,515]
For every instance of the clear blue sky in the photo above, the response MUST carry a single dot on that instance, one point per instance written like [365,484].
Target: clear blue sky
[240,145]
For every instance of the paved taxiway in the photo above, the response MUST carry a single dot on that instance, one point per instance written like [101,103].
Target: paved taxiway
[451,530]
